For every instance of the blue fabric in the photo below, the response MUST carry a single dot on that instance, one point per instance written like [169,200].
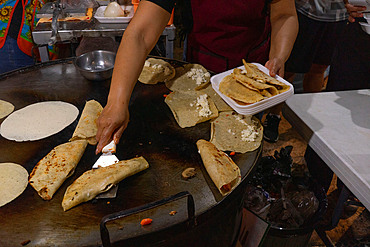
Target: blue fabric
[11,57]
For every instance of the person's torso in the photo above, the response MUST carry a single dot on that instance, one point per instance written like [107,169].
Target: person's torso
[225,32]
[323,10]
[18,24]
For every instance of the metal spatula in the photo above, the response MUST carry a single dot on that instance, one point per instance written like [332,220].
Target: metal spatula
[107,158]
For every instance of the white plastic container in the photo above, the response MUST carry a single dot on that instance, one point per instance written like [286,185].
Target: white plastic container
[99,15]
[365,27]
[255,107]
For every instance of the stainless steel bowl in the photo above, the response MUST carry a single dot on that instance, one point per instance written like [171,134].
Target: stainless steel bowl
[96,65]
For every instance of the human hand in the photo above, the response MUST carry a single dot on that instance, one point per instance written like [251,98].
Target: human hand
[354,11]
[276,67]
[111,123]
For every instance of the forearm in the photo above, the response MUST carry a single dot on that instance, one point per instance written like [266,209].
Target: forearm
[284,30]
[129,62]
[137,41]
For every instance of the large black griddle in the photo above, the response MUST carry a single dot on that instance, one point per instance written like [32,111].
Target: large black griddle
[152,133]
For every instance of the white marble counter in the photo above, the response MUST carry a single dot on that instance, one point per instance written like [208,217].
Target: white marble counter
[337,127]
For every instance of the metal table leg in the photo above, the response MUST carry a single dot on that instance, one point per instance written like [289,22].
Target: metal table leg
[170,37]
[44,53]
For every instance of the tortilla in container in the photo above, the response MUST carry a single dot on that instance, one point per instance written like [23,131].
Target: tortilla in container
[238,92]
[156,70]
[188,78]
[191,108]
[259,85]
[13,181]
[259,75]
[224,173]
[59,164]
[87,128]
[96,181]
[231,131]
[5,108]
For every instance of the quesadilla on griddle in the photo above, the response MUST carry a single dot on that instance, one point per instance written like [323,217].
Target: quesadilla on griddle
[238,92]
[191,108]
[59,164]
[224,173]
[156,70]
[96,181]
[231,131]
[87,127]
[188,78]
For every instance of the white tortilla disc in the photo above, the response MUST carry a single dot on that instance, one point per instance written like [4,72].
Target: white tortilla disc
[5,108]
[13,181]
[39,120]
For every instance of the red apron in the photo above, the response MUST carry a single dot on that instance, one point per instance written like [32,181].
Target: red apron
[225,32]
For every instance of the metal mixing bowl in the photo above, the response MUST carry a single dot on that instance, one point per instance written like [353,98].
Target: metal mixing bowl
[96,65]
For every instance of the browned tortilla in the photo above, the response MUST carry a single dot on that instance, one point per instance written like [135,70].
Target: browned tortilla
[238,92]
[59,164]
[249,82]
[224,173]
[96,181]
[262,76]
[87,126]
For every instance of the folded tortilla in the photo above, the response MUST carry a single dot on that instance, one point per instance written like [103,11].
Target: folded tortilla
[87,127]
[231,131]
[191,108]
[254,83]
[230,87]
[188,78]
[224,173]
[96,181]
[59,164]
[156,70]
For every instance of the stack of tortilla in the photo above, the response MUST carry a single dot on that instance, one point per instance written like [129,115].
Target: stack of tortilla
[156,70]
[250,85]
